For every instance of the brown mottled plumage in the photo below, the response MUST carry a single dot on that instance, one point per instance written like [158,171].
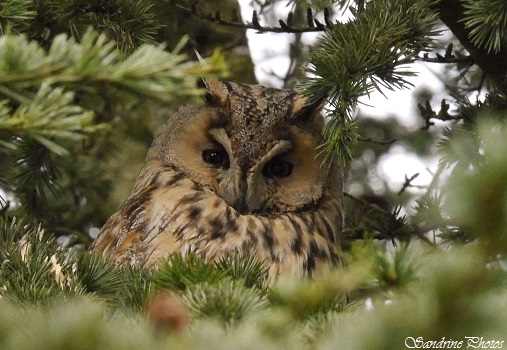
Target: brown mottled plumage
[238,176]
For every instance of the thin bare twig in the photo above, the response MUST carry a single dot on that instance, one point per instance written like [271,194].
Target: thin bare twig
[4,207]
[285,25]
[441,59]
[408,183]
[427,113]
[362,201]
[447,58]
[378,142]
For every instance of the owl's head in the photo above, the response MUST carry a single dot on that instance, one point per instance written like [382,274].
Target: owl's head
[253,146]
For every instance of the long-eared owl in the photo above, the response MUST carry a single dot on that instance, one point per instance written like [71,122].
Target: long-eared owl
[239,175]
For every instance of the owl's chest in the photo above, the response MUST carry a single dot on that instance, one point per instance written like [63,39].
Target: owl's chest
[183,219]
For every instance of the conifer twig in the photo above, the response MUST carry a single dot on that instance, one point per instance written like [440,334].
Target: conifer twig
[378,142]
[285,25]
[407,183]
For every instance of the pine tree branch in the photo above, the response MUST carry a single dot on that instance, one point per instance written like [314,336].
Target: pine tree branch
[150,71]
[285,25]
[493,64]
[447,58]
[50,113]
[129,23]
[487,22]
[15,15]
[40,115]
[49,116]
[369,53]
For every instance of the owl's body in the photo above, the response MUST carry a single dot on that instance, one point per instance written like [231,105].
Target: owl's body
[238,176]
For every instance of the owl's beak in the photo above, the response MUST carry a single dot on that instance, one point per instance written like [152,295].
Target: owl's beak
[241,206]
[240,203]
[247,198]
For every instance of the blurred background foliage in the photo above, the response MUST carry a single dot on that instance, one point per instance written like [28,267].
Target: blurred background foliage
[84,87]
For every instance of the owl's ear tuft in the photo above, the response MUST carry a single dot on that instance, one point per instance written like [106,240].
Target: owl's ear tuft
[305,110]
[217,93]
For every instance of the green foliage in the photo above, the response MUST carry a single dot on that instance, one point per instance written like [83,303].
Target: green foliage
[306,299]
[48,118]
[365,55]
[15,15]
[128,287]
[182,273]
[150,71]
[397,268]
[99,275]
[448,303]
[129,23]
[179,273]
[31,269]
[226,300]
[452,294]
[49,112]
[137,288]
[476,199]
[32,186]
[487,20]
[248,269]
[72,323]
[76,103]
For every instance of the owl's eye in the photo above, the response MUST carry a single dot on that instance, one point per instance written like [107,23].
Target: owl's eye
[216,157]
[278,168]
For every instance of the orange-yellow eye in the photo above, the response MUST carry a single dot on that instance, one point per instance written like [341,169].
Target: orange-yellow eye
[216,157]
[278,168]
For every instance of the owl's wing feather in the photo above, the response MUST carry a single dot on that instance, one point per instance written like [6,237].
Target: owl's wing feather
[171,214]
[121,236]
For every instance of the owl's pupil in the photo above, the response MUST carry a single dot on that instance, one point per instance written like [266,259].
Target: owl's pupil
[278,168]
[216,157]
